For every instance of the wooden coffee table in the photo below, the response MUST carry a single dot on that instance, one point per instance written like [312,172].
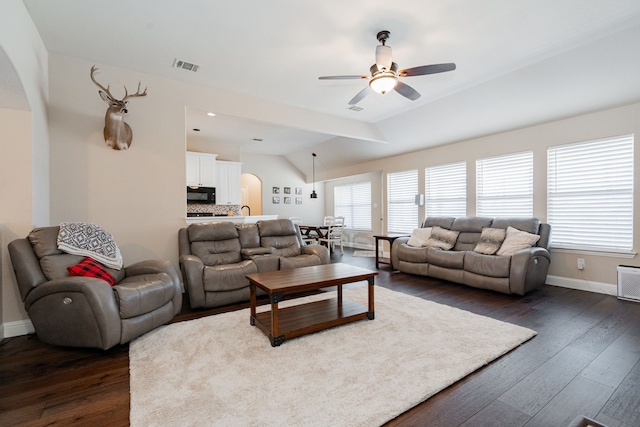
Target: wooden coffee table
[301,319]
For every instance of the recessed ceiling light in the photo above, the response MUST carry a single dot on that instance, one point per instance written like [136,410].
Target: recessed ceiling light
[196,130]
[211,114]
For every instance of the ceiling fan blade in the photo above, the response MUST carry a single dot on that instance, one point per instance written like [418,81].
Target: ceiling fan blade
[360,96]
[427,69]
[342,77]
[407,91]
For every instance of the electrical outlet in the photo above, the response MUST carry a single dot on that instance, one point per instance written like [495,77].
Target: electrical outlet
[580,263]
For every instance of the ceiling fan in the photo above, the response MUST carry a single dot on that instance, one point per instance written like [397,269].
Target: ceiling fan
[384,73]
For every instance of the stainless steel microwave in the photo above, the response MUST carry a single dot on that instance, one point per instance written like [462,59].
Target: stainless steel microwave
[203,195]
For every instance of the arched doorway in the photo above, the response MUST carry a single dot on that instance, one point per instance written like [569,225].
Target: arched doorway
[251,187]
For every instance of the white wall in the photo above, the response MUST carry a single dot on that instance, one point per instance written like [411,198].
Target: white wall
[24,164]
[277,171]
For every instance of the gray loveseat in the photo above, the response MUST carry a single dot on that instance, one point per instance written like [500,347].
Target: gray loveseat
[216,257]
[517,274]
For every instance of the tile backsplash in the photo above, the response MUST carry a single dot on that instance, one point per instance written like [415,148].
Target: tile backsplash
[215,209]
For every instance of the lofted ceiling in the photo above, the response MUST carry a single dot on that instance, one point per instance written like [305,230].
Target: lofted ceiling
[518,64]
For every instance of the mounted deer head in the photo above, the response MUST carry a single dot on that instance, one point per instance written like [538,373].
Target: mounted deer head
[117,133]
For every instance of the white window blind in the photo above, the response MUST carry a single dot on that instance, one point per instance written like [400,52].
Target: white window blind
[402,212]
[446,190]
[504,185]
[353,202]
[590,194]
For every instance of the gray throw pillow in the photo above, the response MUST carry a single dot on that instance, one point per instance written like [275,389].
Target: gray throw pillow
[442,238]
[490,240]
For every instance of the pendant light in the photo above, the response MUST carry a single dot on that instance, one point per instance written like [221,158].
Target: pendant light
[313,193]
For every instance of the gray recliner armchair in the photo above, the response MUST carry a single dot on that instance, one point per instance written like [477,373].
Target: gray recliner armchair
[78,311]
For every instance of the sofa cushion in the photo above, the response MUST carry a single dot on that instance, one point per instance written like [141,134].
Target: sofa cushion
[442,238]
[280,234]
[212,231]
[490,240]
[217,252]
[530,225]
[228,277]
[517,240]
[487,265]
[249,235]
[439,221]
[446,259]
[419,237]
[89,267]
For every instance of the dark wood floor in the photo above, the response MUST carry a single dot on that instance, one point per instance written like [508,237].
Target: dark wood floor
[584,360]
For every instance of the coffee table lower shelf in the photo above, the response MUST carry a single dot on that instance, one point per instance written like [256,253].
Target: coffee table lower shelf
[311,317]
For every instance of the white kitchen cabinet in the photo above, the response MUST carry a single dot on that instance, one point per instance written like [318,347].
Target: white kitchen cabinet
[228,188]
[201,169]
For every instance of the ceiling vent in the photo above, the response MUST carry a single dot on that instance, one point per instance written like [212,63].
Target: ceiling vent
[177,63]
[355,108]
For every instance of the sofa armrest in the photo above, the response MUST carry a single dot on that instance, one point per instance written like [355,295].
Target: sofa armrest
[394,253]
[192,269]
[249,253]
[157,266]
[529,269]
[320,251]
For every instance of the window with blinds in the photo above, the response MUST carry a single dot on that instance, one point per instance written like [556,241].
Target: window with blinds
[590,194]
[353,202]
[402,212]
[446,190]
[504,185]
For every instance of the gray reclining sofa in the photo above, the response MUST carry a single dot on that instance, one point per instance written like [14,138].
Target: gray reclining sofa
[216,257]
[517,274]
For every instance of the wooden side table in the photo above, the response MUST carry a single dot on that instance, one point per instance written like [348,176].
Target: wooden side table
[389,238]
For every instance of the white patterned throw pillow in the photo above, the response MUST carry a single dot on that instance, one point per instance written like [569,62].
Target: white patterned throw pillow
[442,238]
[419,237]
[516,240]
[490,240]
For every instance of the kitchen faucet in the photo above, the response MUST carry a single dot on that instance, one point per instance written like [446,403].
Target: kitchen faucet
[245,206]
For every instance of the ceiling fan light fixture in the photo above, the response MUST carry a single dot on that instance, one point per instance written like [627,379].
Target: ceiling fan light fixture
[383,83]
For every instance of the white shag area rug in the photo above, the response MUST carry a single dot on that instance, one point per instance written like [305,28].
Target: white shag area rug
[221,371]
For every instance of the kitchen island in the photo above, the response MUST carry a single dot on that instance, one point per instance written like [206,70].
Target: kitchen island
[237,219]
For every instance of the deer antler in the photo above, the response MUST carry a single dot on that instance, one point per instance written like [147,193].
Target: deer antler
[105,89]
[127,96]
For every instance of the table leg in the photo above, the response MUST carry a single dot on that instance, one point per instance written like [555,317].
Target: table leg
[275,337]
[340,297]
[252,298]
[377,251]
[371,313]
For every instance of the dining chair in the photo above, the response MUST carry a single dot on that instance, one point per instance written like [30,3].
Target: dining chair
[334,235]
[328,220]
[308,240]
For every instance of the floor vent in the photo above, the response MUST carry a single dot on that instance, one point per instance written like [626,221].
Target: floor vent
[177,63]
[629,283]
[355,108]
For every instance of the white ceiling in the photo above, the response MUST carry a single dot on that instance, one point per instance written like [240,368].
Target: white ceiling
[518,63]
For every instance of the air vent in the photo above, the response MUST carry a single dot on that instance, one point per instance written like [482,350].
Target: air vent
[355,108]
[177,63]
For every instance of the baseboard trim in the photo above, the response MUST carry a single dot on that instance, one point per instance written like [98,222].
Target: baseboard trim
[15,329]
[583,285]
